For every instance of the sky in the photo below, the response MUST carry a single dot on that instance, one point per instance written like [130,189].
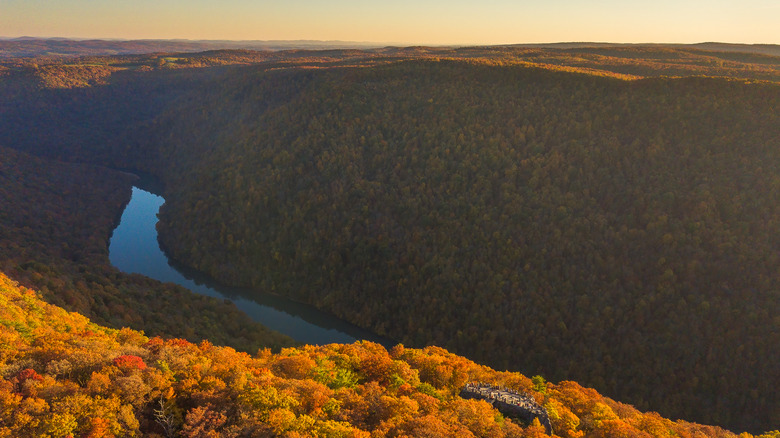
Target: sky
[424,22]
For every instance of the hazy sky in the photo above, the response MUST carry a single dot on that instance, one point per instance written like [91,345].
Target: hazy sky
[400,21]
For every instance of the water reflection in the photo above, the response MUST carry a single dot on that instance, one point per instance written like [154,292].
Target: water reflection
[134,249]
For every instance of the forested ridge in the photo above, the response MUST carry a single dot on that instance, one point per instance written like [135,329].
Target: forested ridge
[547,215]
[624,233]
[63,375]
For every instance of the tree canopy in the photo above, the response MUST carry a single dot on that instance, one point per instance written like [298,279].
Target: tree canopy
[575,213]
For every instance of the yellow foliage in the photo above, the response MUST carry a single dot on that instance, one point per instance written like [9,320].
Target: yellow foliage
[223,391]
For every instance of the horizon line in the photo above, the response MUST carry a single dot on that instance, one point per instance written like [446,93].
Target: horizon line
[366,43]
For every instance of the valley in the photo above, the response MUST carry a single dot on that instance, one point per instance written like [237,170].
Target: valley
[601,214]
[134,249]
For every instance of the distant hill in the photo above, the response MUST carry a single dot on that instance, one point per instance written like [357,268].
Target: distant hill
[765,49]
[33,47]
[64,47]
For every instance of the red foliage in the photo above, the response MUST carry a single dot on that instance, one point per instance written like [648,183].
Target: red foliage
[26,381]
[28,374]
[129,362]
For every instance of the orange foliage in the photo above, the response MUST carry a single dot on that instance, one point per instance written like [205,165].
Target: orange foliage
[129,362]
[178,388]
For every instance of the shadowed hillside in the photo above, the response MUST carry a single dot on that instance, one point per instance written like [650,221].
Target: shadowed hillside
[54,229]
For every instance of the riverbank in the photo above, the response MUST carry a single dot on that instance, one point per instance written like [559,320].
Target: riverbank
[135,248]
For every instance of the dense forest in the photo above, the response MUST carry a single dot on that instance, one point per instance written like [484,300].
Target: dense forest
[607,215]
[624,233]
[54,228]
[63,375]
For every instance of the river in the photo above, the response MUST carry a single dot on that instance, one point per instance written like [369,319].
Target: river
[134,249]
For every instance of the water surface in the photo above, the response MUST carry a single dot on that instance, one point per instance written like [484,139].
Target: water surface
[134,249]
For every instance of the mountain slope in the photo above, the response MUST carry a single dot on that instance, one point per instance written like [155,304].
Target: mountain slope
[55,223]
[65,376]
[622,233]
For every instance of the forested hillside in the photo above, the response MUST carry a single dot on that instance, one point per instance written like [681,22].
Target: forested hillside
[63,375]
[55,222]
[570,213]
[623,234]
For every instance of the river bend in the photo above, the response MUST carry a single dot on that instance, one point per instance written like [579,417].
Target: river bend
[134,249]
